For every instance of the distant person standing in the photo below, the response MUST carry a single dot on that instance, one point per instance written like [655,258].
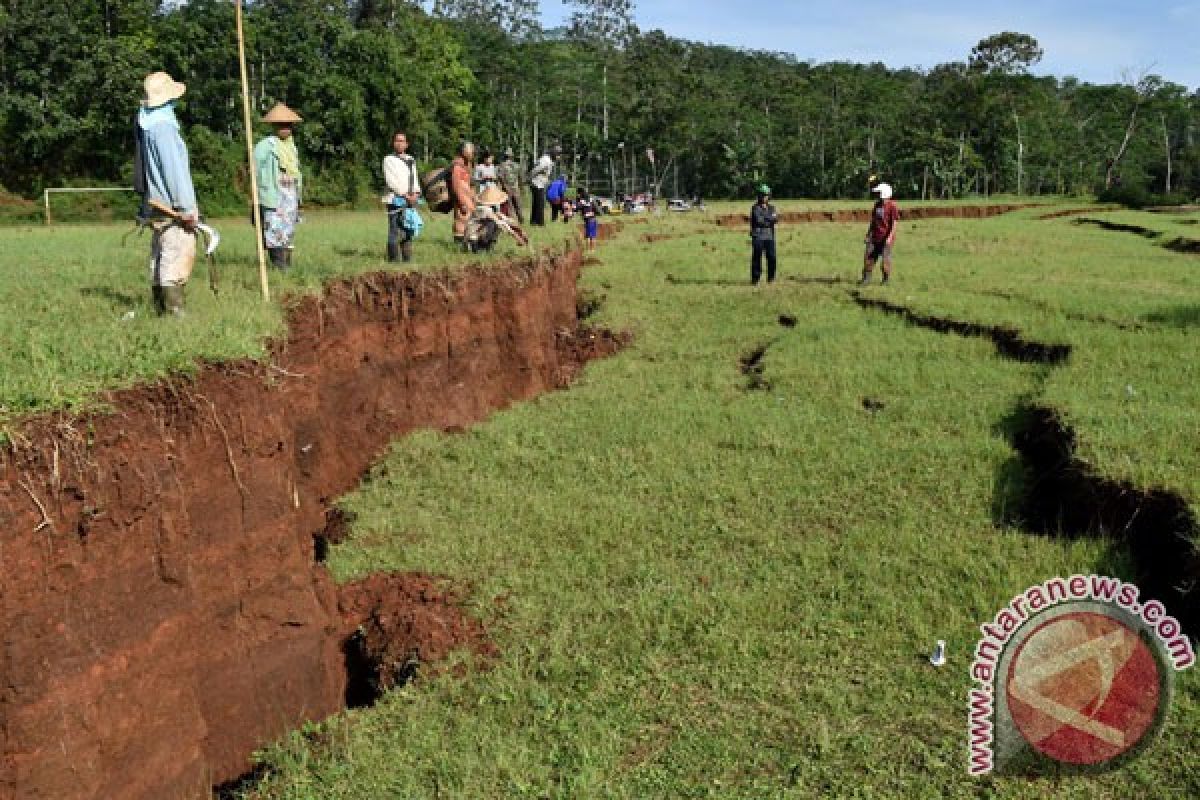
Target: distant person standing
[586,208]
[485,172]
[460,189]
[539,179]
[556,194]
[762,235]
[162,173]
[508,173]
[881,233]
[277,163]
[404,185]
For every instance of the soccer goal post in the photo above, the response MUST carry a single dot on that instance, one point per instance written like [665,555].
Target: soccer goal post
[65,189]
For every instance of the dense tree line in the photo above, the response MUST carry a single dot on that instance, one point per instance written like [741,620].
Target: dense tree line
[717,119]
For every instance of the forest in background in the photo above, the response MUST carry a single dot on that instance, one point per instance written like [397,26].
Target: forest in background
[718,119]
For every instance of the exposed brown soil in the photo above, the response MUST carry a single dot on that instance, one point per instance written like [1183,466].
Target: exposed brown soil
[863,215]
[1009,342]
[162,609]
[751,365]
[1072,212]
[651,238]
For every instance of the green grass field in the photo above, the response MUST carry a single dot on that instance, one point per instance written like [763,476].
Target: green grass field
[700,590]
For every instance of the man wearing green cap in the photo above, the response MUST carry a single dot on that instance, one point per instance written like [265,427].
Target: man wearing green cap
[762,235]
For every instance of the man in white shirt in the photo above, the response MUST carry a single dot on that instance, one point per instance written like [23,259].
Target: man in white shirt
[539,179]
[400,173]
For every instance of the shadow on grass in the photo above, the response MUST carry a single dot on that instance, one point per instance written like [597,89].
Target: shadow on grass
[1176,317]
[118,300]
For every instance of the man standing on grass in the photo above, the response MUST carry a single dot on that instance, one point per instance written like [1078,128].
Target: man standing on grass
[510,181]
[162,173]
[881,234]
[404,187]
[539,179]
[762,235]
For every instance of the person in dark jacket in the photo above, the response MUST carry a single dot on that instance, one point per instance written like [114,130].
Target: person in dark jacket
[762,235]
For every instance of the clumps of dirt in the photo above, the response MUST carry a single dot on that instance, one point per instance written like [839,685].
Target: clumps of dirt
[651,238]
[1064,496]
[1072,212]
[873,405]
[588,303]
[578,346]
[402,624]
[592,261]
[863,215]
[752,366]
[787,321]
[1117,227]
[337,530]
[1008,341]
[1182,245]
[606,231]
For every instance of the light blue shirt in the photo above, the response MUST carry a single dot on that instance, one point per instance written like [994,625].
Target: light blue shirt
[168,177]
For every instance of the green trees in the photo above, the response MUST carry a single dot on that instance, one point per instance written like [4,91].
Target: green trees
[719,119]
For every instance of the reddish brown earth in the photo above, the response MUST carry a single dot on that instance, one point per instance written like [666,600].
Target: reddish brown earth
[162,610]
[1072,212]
[651,238]
[863,215]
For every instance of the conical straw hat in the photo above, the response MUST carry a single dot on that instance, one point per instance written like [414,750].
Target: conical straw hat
[493,196]
[281,114]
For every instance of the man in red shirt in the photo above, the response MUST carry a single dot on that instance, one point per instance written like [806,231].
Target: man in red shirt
[881,234]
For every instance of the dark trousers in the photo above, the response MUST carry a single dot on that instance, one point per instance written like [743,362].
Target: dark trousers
[538,216]
[399,237]
[556,210]
[762,247]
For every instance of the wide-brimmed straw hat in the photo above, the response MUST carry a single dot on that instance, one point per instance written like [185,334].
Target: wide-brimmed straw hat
[493,196]
[160,89]
[281,115]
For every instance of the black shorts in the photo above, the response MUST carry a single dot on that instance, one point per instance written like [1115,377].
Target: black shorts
[878,250]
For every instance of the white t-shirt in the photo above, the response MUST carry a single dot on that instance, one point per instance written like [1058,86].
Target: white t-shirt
[542,170]
[400,173]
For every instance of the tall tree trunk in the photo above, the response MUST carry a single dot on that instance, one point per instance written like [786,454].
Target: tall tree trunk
[1020,154]
[1166,148]
[1110,169]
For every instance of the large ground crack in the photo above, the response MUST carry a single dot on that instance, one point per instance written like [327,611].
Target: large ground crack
[1009,342]
[1063,495]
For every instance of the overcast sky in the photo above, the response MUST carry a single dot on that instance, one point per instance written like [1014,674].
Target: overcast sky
[1094,41]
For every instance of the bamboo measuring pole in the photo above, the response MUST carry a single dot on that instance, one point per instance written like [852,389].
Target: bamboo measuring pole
[258,225]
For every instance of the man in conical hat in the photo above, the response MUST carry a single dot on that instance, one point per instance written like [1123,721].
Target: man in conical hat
[277,164]
[486,215]
[162,174]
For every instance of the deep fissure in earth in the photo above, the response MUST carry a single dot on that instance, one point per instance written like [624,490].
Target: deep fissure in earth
[164,609]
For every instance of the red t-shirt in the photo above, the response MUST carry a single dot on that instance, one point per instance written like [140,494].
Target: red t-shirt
[884,217]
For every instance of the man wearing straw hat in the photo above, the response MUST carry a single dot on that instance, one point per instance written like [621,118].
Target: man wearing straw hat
[277,163]
[510,181]
[161,168]
[486,221]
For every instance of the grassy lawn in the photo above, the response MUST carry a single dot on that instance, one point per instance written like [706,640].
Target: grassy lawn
[705,591]
[701,590]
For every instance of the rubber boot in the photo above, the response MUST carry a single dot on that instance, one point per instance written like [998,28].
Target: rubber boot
[159,301]
[406,251]
[287,258]
[393,252]
[866,278]
[173,300]
[887,276]
[277,257]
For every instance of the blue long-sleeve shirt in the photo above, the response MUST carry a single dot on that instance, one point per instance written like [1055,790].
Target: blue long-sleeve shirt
[168,175]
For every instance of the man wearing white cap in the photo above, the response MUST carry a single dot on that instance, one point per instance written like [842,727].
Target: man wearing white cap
[881,233]
[161,169]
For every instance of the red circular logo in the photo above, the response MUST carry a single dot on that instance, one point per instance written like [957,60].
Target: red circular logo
[1083,688]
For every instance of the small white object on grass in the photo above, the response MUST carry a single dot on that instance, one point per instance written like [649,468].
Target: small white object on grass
[938,658]
[1129,390]
[128,315]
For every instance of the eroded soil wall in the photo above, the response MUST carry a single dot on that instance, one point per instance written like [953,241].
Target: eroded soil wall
[162,612]
[863,215]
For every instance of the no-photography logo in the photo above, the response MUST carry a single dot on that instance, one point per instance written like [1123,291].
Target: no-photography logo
[1074,675]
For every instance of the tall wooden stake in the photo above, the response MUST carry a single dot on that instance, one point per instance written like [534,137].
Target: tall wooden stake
[258,224]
